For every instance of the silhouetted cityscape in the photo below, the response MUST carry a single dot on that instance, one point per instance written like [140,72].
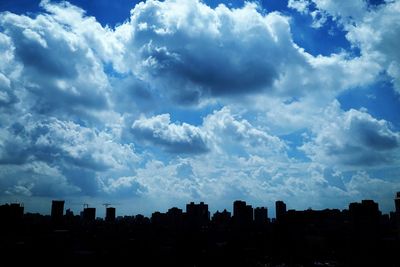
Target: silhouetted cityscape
[358,236]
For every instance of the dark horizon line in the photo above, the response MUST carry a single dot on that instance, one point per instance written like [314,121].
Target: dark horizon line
[108,205]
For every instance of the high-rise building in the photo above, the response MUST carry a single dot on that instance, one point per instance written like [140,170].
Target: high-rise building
[57,210]
[174,217]
[367,209]
[197,214]
[110,214]
[17,211]
[158,218]
[242,213]
[11,213]
[280,209]
[397,202]
[365,218]
[222,218]
[261,215]
[89,214]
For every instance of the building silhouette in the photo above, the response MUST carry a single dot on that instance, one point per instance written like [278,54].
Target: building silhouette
[397,203]
[221,218]
[57,210]
[261,215]
[280,210]
[242,213]
[197,214]
[11,213]
[367,210]
[357,236]
[89,214]
[174,217]
[365,219]
[158,218]
[110,214]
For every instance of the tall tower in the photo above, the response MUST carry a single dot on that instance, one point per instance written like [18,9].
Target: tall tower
[261,215]
[89,214]
[57,210]
[280,209]
[242,213]
[110,214]
[397,202]
[197,214]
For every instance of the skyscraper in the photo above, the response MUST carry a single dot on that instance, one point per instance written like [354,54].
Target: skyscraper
[57,210]
[110,214]
[11,213]
[89,214]
[197,214]
[397,202]
[280,209]
[222,218]
[242,213]
[261,215]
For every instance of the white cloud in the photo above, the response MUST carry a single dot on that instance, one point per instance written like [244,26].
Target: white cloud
[299,5]
[373,28]
[231,134]
[61,64]
[122,187]
[377,36]
[159,130]
[79,155]
[69,122]
[352,138]
[221,131]
[346,10]
[51,140]
[363,186]
[9,70]
[35,179]
[194,51]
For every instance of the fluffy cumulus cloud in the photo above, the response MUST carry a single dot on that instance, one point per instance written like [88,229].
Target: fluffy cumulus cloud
[353,138]
[67,149]
[182,101]
[234,135]
[35,179]
[173,137]
[242,161]
[222,131]
[58,58]
[9,71]
[365,186]
[195,52]
[371,26]
[50,138]
[377,34]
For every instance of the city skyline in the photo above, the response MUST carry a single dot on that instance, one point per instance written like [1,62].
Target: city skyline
[358,236]
[147,105]
[59,208]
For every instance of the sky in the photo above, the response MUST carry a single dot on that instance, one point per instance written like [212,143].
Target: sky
[152,104]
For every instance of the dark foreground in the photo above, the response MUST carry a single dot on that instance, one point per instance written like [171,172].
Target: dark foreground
[360,236]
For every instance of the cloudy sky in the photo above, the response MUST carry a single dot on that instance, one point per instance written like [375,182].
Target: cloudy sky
[148,105]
